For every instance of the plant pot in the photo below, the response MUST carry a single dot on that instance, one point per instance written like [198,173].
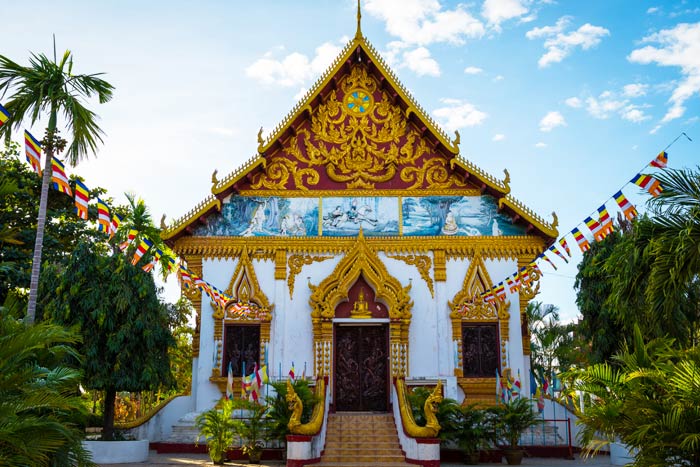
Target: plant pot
[472,458]
[254,457]
[514,456]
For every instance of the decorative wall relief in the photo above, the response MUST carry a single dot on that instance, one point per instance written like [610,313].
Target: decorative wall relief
[455,215]
[345,216]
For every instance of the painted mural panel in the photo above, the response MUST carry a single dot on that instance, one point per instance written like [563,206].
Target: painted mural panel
[345,216]
[264,216]
[455,215]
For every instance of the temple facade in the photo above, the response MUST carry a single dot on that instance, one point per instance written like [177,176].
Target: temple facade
[356,245]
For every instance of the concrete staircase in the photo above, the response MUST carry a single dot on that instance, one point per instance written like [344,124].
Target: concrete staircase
[361,439]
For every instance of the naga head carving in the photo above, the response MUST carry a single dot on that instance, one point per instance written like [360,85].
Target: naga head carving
[292,397]
[432,402]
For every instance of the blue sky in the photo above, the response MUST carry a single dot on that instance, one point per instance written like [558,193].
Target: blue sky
[572,97]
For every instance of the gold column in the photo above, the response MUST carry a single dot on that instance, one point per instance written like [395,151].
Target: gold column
[194,263]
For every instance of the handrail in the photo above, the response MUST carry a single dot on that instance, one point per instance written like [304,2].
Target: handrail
[147,416]
[313,427]
[412,429]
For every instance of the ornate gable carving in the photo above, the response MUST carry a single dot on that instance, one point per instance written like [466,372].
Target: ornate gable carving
[357,138]
[360,260]
[245,290]
[466,304]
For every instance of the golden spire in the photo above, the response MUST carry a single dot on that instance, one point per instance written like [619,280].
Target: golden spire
[358,33]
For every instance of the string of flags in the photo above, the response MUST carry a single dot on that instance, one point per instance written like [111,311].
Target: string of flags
[109,223]
[599,224]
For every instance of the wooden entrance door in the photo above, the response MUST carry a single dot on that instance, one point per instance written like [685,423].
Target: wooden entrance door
[361,368]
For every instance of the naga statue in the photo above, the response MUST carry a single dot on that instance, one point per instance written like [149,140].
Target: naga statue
[430,408]
[295,405]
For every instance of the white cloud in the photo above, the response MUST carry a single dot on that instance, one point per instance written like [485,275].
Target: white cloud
[679,47]
[635,90]
[541,145]
[420,61]
[604,105]
[417,60]
[552,120]
[560,45]
[498,137]
[423,22]
[473,70]
[652,9]
[497,11]
[294,69]
[458,114]
[301,93]
[632,113]
[499,78]
[574,102]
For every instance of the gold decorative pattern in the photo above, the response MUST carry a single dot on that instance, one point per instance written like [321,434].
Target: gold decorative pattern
[358,149]
[178,225]
[280,264]
[195,297]
[296,263]
[440,265]
[549,229]
[502,247]
[527,293]
[245,291]
[422,263]
[314,425]
[361,193]
[361,260]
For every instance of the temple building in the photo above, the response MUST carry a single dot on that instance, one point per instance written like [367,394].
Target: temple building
[356,245]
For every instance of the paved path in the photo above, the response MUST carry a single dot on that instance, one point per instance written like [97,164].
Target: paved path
[164,460]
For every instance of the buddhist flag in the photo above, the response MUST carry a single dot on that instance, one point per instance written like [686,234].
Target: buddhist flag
[114,225]
[512,287]
[129,238]
[32,150]
[649,183]
[605,221]
[4,115]
[556,251]
[534,266]
[595,228]
[546,258]
[58,177]
[102,216]
[185,277]
[565,246]
[525,276]
[171,264]
[661,160]
[488,297]
[627,208]
[82,198]
[149,267]
[229,382]
[581,240]
[292,372]
[500,292]
[141,250]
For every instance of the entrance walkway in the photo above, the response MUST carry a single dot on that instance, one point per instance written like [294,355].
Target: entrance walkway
[164,460]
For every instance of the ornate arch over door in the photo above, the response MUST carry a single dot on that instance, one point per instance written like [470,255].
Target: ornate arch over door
[360,263]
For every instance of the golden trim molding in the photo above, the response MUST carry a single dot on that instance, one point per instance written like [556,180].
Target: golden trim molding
[296,263]
[423,263]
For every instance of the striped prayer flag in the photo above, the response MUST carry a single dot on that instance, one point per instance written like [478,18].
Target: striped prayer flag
[605,220]
[58,177]
[595,228]
[512,287]
[546,258]
[562,242]
[114,225]
[556,251]
[4,115]
[102,216]
[533,265]
[149,267]
[488,297]
[649,183]
[581,240]
[32,150]
[627,208]
[172,264]
[129,238]
[141,250]
[82,198]
[185,277]
[525,276]
[500,292]
[661,161]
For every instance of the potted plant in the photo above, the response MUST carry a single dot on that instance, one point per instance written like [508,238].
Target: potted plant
[279,413]
[251,429]
[473,432]
[217,427]
[512,419]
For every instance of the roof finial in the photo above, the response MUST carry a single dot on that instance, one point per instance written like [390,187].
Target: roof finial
[358,33]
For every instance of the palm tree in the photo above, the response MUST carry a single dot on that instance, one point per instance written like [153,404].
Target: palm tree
[50,87]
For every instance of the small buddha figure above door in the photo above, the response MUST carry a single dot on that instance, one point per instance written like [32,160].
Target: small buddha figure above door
[360,309]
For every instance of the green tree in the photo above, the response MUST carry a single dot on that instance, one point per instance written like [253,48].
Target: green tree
[18,213]
[649,400]
[38,395]
[48,87]
[126,333]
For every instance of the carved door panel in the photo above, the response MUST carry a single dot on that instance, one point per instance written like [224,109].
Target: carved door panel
[241,348]
[480,350]
[361,368]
